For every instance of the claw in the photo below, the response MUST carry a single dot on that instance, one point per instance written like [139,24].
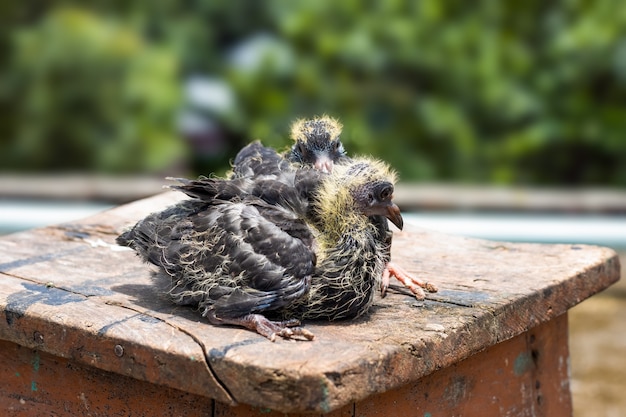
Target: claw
[384,284]
[412,283]
[267,328]
[290,328]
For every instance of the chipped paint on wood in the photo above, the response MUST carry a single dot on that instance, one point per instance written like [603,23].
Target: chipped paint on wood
[522,363]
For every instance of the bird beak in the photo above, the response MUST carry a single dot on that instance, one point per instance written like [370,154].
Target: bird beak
[324,164]
[393,214]
[387,209]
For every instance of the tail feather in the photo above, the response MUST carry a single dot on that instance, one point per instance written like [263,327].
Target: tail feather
[125,239]
[208,189]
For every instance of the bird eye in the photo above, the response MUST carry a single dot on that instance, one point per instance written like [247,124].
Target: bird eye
[335,145]
[301,148]
[386,193]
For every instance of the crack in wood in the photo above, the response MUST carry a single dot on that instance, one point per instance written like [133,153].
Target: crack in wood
[432,297]
[202,346]
[445,300]
[42,258]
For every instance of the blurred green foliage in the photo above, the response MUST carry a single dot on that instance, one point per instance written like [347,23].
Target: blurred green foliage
[485,91]
[88,94]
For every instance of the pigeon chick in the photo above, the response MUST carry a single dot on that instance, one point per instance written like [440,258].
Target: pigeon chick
[231,254]
[239,258]
[317,143]
[352,254]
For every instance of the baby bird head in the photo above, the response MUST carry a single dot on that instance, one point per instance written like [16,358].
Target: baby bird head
[353,192]
[317,142]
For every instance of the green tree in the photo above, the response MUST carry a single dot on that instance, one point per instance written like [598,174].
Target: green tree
[89,93]
[485,91]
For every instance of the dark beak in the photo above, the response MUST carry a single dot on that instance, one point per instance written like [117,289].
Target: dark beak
[393,214]
[387,209]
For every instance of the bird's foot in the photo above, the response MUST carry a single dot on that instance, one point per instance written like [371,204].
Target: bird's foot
[416,285]
[288,329]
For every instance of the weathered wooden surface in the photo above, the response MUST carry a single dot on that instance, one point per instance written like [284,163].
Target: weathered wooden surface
[523,376]
[71,292]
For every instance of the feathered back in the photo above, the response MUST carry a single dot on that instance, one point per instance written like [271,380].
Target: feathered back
[291,189]
[229,258]
[257,160]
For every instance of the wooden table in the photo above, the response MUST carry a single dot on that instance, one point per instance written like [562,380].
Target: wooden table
[85,332]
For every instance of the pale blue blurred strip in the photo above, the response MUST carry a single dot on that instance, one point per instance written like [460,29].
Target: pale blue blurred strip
[554,228]
[16,215]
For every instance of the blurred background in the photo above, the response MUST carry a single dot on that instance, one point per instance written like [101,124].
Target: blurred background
[515,93]
[498,116]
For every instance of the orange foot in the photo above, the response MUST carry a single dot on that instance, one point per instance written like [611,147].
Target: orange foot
[412,283]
